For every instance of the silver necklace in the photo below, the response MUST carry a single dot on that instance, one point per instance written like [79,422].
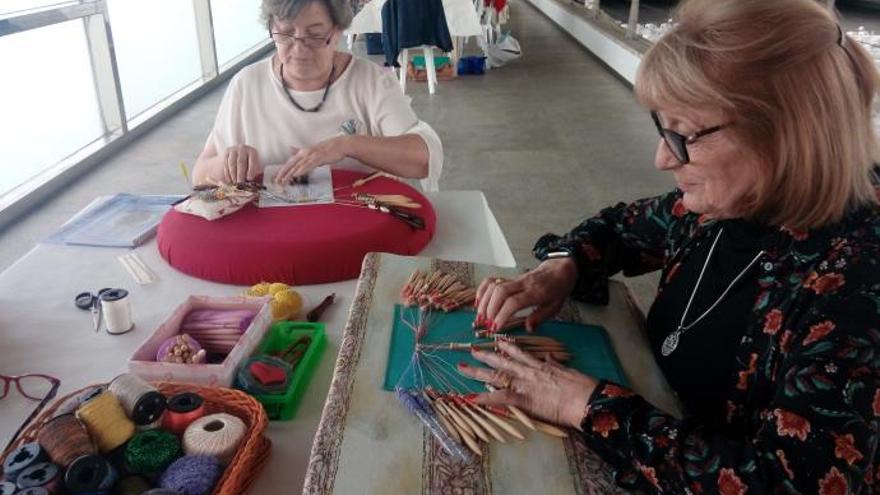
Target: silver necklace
[670,343]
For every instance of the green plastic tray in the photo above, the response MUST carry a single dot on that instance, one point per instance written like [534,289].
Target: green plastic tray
[283,407]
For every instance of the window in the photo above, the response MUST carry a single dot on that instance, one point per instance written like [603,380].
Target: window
[237,28]
[157,50]
[47,94]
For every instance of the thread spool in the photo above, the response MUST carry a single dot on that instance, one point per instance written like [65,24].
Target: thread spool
[140,400]
[64,438]
[152,451]
[106,421]
[34,491]
[132,485]
[116,309]
[22,458]
[192,475]
[90,473]
[182,410]
[216,435]
[45,475]
[7,488]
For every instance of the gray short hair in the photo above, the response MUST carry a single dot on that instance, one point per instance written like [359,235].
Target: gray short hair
[340,11]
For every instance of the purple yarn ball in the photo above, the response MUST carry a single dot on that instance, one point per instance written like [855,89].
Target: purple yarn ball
[192,475]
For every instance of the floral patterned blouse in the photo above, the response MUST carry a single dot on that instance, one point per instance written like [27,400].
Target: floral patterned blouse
[803,407]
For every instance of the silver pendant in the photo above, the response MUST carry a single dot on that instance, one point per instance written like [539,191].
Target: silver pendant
[670,343]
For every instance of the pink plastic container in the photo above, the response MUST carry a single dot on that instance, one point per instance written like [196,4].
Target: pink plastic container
[143,363]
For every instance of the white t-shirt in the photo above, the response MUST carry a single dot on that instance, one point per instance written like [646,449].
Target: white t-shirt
[256,112]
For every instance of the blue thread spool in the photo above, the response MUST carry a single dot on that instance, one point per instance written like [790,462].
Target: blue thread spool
[34,491]
[22,458]
[192,475]
[44,474]
[90,473]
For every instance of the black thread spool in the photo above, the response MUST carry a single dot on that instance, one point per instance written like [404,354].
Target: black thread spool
[44,474]
[22,458]
[90,473]
[65,439]
[7,488]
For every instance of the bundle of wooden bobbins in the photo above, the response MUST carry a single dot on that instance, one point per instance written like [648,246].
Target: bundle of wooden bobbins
[125,439]
[436,290]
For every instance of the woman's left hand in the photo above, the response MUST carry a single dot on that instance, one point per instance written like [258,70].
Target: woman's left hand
[304,160]
[544,389]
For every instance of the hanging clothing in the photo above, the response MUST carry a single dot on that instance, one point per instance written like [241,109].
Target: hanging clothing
[413,23]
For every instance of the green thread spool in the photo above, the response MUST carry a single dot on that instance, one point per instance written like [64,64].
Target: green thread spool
[152,451]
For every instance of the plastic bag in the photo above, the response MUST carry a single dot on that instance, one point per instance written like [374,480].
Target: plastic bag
[503,50]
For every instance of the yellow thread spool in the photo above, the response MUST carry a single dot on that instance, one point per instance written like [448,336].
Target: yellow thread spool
[106,421]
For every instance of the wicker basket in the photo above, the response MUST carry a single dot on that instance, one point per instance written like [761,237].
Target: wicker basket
[251,455]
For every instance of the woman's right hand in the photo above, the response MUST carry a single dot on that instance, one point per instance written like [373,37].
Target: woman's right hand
[545,287]
[242,164]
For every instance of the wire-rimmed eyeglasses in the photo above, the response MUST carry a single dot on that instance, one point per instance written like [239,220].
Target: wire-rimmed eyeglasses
[34,386]
[313,42]
[677,143]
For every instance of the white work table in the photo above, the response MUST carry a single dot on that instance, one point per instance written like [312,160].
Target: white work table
[41,331]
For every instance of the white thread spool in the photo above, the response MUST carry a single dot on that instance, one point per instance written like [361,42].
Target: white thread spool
[141,401]
[216,435]
[116,311]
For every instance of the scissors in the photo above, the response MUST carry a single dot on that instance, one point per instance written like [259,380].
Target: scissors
[91,302]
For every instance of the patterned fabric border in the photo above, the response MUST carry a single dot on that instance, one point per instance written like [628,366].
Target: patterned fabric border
[440,473]
[462,271]
[591,475]
[324,458]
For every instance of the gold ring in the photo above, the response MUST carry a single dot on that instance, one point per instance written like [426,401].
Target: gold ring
[505,381]
[498,280]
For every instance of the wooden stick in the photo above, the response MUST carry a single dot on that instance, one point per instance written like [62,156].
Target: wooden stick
[446,422]
[473,426]
[509,428]
[483,423]
[521,416]
[455,417]
[549,429]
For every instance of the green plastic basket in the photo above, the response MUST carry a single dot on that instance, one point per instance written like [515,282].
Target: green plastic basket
[282,407]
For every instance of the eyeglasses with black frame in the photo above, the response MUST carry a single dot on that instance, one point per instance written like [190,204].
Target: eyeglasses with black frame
[677,143]
[34,386]
[313,42]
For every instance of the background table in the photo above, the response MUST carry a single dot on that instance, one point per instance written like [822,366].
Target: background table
[41,331]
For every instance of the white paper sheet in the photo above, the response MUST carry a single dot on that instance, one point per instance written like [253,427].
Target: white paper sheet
[318,190]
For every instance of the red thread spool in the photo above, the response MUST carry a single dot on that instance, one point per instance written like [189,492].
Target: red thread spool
[65,439]
[182,410]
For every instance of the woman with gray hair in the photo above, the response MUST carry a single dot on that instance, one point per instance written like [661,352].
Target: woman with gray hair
[310,105]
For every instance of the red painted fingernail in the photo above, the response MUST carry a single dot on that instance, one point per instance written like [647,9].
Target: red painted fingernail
[462,365]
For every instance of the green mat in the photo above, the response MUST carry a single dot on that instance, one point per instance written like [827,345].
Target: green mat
[589,346]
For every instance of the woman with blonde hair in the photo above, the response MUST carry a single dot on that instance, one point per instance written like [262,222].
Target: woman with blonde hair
[767,317]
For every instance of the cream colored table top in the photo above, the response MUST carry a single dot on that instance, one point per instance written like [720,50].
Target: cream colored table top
[41,331]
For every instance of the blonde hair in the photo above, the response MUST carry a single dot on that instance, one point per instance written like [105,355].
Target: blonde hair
[799,92]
